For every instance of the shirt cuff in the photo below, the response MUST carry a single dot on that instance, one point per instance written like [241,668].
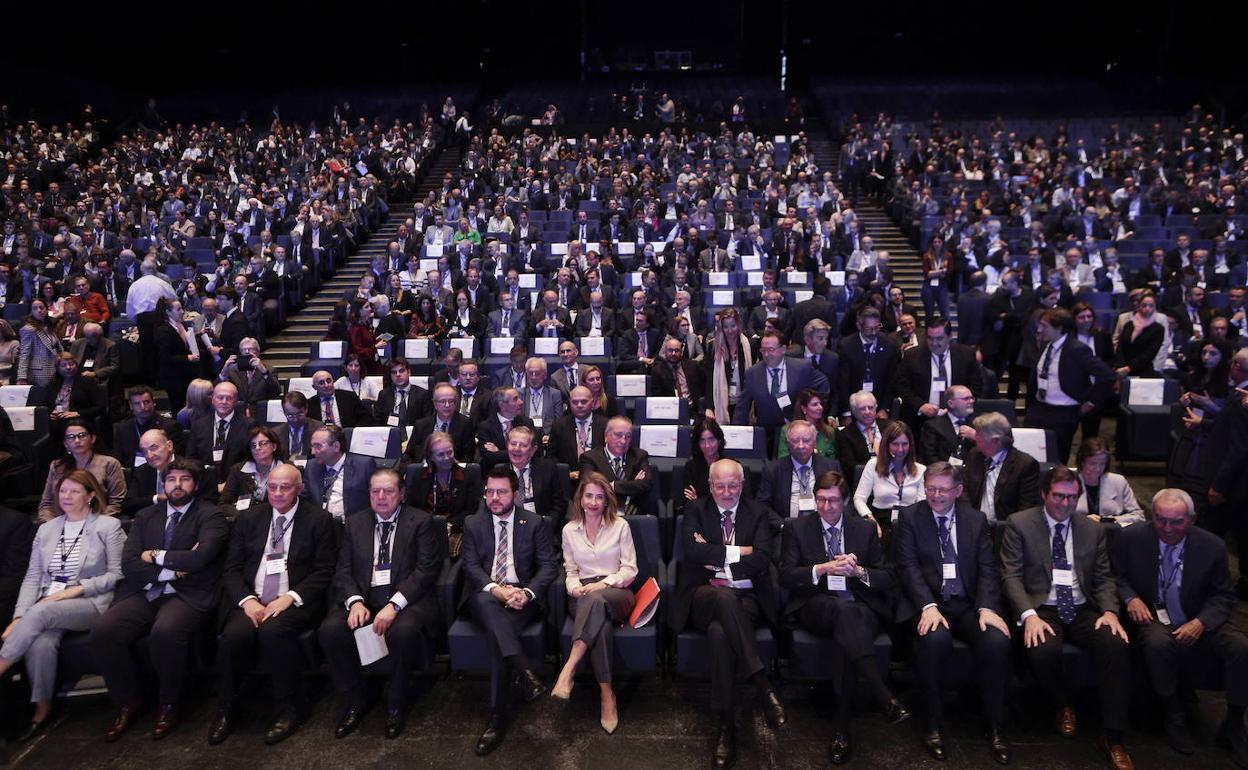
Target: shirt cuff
[352,600]
[925,607]
[298,599]
[158,556]
[489,587]
[732,554]
[866,578]
[248,598]
[399,600]
[1026,614]
[814,575]
[987,609]
[532,596]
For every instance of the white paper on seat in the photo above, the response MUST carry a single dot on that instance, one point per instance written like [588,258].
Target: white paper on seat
[754,279]
[413,349]
[593,346]
[370,644]
[535,299]
[464,344]
[528,280]
[559,249]
[429,264]
[501,346]
[371,441]
[22,417]
[801,295]
[738,436]
[658,246]
[14,395]
[546,346]
[433,250]
[634,279]
[332,349]
[751,262]
[717,279]
[781,139]
[663,408]
[659,440]
[632,385]
[836,277]
[301,385]
[723,298]
[273,411]
[1031,441]
[795,278]
[1147,391]
[627,248]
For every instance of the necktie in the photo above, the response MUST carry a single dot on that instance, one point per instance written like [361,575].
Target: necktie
[1065,594]
[571,370]
[501,554]
[465,404]
[873,441]
[519,380]
[327,484]
[219,442]
[803,480]
[775,382]
[524,485]
[682,383]
[948,555]
[1169,593]
[506,330]
[582,436]
[832,541]
[277,546]
[327,410]
[944,371]
[729,529]
[617,465]
[171,523]
[1044,368]
[441,426]
[400,403]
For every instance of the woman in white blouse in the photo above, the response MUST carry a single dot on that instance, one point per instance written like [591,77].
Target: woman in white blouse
[355,381]
[1106,497]
[893,481]
[601,563]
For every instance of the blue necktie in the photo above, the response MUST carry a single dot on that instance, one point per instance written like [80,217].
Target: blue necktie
[832,540]
[158,587]
[1065,594]
[950,586]
[1170,570]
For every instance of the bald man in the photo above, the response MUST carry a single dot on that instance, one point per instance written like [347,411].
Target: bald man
[577,432]
[220,439]
[949,437]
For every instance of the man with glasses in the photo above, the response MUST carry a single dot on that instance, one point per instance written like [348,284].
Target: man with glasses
[949,437]
[445,419]
[772,385]
[949,578]
[295,435]
[255,381]
[337,481]
[840,587]
[277,573]
[1177,586]
[387,567]
[1055,573]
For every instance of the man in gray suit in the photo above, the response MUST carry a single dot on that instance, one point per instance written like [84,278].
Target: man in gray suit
[543,402]
[336,481]
[1055,572]
[507,321]
[570,373]
[98,357]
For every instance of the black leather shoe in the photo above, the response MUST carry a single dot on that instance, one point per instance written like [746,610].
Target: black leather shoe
[934,742]
[492,737]
[1178,737]
[725,747]
[998,749]
[773,710]
[33,729]
[221,727]
[839,751]
[283,726]
[349,722]
[395,720]
[531,686]
[895,712]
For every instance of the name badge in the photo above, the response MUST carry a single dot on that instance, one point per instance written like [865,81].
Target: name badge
[1063,577]
[934,282]
[381,576]
[392,421]
[805,503]
[139,459]
[537,422]
[868,386]
[88,363]
[275,565]
[949,571]
[243,503]
[783,401]
[1042,382]
[836,583]
[1163,617]
[218,455]
[955,461]
[894,516]
[529,506]
[60,583]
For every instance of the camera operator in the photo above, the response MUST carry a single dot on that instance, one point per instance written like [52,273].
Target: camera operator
[256,383]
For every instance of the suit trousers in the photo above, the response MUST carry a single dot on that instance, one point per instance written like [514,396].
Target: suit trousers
[406,640]
[1168,662]
[594,619]
[853,626]
[274,646]
[728,617]
[1062,420]
[991,655]
[1109,653]
[170,625]
[504,626]
[37,640]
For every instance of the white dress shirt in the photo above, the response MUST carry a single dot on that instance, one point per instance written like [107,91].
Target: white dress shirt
[283,586]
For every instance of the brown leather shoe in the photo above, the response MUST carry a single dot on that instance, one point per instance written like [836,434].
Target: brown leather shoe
[1119,759]
[166,719]
[1066,723]
[122,722]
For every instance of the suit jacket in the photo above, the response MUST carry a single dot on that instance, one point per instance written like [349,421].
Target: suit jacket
[517,324]
[803,547]
[550,488]
[1224,468]
[628,486]
[777,485]
[938,441]
[199,546]
[559,377]
[532,553]
[204,432]
[829,364]
[141,488]
[585,320]
[356,471]
[565,331]
[552,406]
[851,445]
[102,543]
[310,561]
[416,554]
[972,316]
[756,392]
[15,539]
[626,350]
[914,376]
[234,329]
[107,359]
[752,528]
[563,446]
[419,404]
[86,396]
[1018,483]
[462,435]
[1027,561]
[854,363]
[663,381]
[919,562]
[808,310]
[466,491]
[490,431]
[305,440]
[1205,591]
[1082,375]
[348,408]
[253,392]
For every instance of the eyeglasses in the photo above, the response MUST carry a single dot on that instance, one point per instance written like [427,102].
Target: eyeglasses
[939,490]
[261,443]
[1064,498]
[726,486]
[76,436]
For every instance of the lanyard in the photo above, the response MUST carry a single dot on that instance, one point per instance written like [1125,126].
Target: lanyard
[64,552]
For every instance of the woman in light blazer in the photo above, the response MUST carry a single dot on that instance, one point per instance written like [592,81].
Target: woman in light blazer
[75,562]
[1106,497]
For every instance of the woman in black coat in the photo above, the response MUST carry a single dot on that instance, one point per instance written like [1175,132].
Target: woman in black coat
[445,488]
[69,395]
[179,362]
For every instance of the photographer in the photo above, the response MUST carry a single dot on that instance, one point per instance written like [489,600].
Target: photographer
[256,383]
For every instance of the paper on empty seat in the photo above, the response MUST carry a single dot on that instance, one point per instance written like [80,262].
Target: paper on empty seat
[836,277]
[717,279]
[801,295]
[417,349]
[659,440]
[738,436]
[273,411]
[751,262]
[501,346]
[22,417]
[429,264]
[332,349]
[371,441]
[723,298]
[14,395]
[627,248]
[546,346]
[463,344]
[593,346]
[528,280]
[559,249]
[630,385]
[301,385]
[795,277]
[1032,441]
[663,408]
[433,249]
[1147,391]
[420,381]
[754,279]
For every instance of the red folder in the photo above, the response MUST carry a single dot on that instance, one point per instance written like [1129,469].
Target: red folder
[645,604]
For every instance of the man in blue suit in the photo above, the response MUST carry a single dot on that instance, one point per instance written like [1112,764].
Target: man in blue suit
[335,480]
[771,386]
[509,562]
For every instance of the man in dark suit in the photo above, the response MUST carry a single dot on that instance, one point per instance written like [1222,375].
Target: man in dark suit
[927,371]
[550,320]
[234,327]
[507,321]
[171,572]
[475,398]
[634,481]
[950,436]
[16,534]
[868,361]
[1056,575]
[813,346]
[973,310]
[256,382]
[295,434]
[577,432]
[445,419]
[1069,382]
[126,434]
[220,439]
[840,586]
[568,374]
[816,308]
[1176,582]
[1223,448]
[788,483]
[997,478]
[639,346]
[952,589]
[859,441]
[724,590]
[508,408]
[509,563]
[598,319]
[401,402]
[771,386]
[336,481]
[387,566]
[675,375]
[336,407]
[146,483]
[542,488]
[277,572]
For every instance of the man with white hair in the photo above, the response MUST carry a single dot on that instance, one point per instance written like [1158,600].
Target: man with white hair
[141,301]
[255,381]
